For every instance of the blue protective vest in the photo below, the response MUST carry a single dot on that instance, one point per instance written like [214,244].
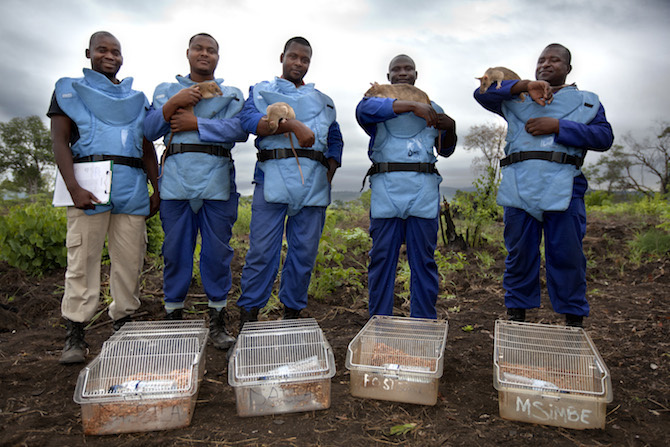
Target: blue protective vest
[405,139]
[537,186]
[282,182]
[197,176]
[110,120]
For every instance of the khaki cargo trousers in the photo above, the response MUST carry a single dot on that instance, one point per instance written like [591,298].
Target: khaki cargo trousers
[127,241]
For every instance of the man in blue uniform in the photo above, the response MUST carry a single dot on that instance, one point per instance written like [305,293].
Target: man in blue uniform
[283,197]
[198,190]
[95,118]
[542,188]
[405,201]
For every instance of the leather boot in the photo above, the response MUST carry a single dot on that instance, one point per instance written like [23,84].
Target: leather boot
[574,320]
[176,314]
[76,348]
[118,324]
[516,314]
[290,314]
[248,315]
[218,330]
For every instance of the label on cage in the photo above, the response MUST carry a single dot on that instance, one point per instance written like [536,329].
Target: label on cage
[147,386]
[561,410]
[547,411]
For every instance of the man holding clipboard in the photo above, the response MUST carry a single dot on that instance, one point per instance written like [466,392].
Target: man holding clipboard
[99,118]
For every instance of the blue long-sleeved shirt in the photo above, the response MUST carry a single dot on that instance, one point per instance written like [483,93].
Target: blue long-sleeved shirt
[250,116]
[372,111]
[596,135]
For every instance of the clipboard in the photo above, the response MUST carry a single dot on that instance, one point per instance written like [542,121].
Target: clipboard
[94,176]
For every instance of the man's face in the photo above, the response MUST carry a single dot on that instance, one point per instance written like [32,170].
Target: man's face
[402,71]
[203,55]
[295,62]
[105,55]
[552,66]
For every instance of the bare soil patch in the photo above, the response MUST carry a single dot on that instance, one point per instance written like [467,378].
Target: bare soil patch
[629,323]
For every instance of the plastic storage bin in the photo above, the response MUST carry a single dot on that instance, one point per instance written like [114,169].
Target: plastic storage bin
[398,359]
[281,367]
[145,378]
[550,375]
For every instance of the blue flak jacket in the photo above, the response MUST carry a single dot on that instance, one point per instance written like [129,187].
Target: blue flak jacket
[198,176]
[282,181]
[403,139]
[110,121]
[537,186]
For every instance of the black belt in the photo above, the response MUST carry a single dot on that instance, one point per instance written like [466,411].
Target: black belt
[274,154]
[180,148]
[133,162]
[555,157]
[379,168]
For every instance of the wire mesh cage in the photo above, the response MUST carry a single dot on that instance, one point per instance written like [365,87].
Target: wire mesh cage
[280,367]
[146,377]
[549,372]
[398,358]
[155,328]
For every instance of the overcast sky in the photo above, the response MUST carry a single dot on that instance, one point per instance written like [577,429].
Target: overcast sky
[619,51]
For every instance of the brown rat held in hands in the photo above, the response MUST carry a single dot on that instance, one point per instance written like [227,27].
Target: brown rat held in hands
[275,114]
[208,89]
[497,75]
[404,92]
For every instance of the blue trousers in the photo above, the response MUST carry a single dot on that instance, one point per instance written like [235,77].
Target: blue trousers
[214,220]
[303,232]
[565,261]
[420,236]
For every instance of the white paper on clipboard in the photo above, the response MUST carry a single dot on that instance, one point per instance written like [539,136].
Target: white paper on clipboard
[94,176]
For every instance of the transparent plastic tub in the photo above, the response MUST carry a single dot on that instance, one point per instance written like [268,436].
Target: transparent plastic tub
[551,375]
[143,380]
[281,367]
[398,359]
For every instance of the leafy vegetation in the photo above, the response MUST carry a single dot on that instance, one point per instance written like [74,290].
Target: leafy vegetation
[32,237]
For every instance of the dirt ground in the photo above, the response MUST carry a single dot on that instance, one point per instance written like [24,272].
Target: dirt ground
[629,324]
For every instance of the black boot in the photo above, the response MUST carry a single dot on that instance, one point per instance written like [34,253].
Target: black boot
[291,314]
[76,348]
[175,314]
[574,320]
[516,314]
[218,330]
[248,315]
[118,324]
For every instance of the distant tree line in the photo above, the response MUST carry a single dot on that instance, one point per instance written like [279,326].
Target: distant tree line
[26,157]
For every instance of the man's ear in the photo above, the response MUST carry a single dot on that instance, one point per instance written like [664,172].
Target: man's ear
[569,68]
[416,75]
[88,53]
[388,76]
[281,58]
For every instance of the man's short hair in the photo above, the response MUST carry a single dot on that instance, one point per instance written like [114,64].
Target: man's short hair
[99,34]
[190,41]
[299,40]
[401,56]
[568,56]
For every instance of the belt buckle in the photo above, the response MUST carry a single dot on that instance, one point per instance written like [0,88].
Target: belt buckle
[558,157]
